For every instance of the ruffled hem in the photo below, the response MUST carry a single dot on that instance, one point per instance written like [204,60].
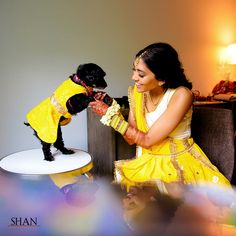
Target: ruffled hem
[190,167]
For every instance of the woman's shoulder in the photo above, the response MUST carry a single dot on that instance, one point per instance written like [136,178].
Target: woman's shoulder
[131,97]
[178,92]
[181,95]
[131,89]
[183,92]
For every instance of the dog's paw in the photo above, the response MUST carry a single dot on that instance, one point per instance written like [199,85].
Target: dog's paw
[67,151]
[49,158]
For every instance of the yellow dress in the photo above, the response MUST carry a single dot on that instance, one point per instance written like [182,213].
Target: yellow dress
[177,159]
[44,118]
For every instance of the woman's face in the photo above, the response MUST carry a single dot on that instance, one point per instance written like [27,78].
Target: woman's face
[144,79]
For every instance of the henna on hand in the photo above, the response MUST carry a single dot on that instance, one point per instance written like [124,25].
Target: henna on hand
[99,95]
[99,107]
[103,96]
[134,136]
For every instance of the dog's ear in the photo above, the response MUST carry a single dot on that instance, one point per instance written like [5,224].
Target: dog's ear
[92,75]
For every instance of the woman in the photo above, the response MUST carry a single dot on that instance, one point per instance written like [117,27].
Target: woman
[159,124]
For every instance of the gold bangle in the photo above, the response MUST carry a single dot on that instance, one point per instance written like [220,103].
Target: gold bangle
[119,124]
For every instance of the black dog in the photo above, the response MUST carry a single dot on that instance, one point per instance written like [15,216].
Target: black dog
[70,98]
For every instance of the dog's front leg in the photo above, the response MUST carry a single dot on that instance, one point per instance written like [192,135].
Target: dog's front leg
[59,144]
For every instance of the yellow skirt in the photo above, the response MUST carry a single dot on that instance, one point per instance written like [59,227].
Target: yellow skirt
[175,160]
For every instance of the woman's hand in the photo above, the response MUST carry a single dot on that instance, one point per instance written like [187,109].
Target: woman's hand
[103,96]
[99,95]
[99,107]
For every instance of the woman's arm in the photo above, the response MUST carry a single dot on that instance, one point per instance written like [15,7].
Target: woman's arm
[132,127]
[178,106]
[180,103]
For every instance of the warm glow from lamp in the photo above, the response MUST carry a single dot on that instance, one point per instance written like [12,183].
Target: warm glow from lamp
[227,66]
[231,54]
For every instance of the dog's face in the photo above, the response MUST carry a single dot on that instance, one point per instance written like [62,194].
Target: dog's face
[92,75]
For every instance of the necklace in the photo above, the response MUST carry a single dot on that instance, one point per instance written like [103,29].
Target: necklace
[151,106]
[158,100]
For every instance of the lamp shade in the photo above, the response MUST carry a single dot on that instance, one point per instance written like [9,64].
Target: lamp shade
[231,54]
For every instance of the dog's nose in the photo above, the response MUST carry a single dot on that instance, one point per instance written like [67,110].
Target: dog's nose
[104,85]
[101,87]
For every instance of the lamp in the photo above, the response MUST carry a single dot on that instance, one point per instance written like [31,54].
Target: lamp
[226,89]
[231,61]
[231,54]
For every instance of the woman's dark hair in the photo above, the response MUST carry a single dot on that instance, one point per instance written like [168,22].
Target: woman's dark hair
[162,59]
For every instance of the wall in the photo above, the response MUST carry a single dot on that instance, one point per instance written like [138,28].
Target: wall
[42,42]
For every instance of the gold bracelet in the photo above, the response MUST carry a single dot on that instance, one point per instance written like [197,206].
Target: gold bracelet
[119,124]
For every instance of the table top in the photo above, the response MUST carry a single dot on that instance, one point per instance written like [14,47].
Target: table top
[207,102]
[31,162]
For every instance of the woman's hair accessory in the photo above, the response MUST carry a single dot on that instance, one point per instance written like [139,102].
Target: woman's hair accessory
[139,57]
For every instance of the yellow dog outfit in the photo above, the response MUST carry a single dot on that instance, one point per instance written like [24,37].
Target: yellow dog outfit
[45,117]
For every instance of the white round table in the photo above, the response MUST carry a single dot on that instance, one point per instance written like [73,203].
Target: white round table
[31,162]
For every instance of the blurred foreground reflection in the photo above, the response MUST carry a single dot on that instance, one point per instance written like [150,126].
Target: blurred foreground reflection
[36,206]
[200,211]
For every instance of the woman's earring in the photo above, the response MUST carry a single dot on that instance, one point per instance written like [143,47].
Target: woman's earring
[161,83]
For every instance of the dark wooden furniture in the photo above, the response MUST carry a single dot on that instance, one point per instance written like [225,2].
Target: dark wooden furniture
[220,104]
[213,130]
